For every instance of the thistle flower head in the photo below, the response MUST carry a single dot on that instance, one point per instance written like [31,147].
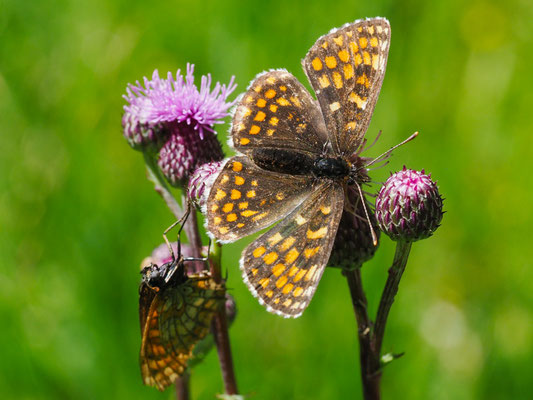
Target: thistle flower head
[409,206]
[174,117]
[354,243]
[201,181]
[177,100]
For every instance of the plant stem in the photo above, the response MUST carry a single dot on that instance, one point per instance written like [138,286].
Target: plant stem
[182,387]
[220,324]
[390,290]
[371,340]
[191,225]
[160,185]
[370,373]
[220,329]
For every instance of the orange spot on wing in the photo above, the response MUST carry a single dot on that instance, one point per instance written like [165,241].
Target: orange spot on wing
[270,93]
[270,257]
[237,166]
[282,280]
[344,56]
[317,64]
[278,269]
[260,116]
[235,194]
[337,80]
[331,62]
[231,217]
[259,252]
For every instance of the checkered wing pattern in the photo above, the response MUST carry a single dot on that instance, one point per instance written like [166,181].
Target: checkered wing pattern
[346,69]
[178,318]
[283,266]
[277,111]
[245,198]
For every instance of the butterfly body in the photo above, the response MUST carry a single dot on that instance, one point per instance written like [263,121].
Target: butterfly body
[175,312]
[299,158]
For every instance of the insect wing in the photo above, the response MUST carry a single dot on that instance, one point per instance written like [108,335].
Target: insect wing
[245,198]
[346,69]
[278,112]
[284,265]
[178,317]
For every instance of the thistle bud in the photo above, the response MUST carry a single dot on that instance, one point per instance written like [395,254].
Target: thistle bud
[409,206]
[201,182]
[185,151]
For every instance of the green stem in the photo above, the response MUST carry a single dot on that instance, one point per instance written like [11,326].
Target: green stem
[390,290]
[370,375]
[182,387]
[371,340]
[220,328]
[161,186]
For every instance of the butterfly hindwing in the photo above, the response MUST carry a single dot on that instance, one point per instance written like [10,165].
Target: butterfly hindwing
[277,111]
[245,198]
[284,265]
[346,69]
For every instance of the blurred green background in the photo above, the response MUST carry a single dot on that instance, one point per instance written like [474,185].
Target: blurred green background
[77,215]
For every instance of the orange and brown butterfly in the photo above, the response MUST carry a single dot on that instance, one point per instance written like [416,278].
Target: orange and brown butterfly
[298,160]
[175,312]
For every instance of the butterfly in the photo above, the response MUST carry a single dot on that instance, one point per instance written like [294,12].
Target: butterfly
[175,311]
[299,158]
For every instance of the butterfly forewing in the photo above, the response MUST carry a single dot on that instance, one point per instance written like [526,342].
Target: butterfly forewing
[177,318]
[283,266]
[346,69]
[277,111]
[245,198]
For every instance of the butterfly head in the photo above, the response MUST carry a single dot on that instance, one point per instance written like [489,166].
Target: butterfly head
[358,171]
[158,277]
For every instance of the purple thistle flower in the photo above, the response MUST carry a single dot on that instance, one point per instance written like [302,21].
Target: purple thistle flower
[178,100]
[175,118]
[409,206]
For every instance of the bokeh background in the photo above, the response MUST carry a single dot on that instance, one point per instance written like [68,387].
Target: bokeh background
[77,215]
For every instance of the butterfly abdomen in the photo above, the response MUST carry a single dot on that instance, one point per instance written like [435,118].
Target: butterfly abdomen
[284,161]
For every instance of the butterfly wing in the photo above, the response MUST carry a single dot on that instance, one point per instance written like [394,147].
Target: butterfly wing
[177,319]
[284,265]
[146,296]
[278,112]
[346,69]
[245,198]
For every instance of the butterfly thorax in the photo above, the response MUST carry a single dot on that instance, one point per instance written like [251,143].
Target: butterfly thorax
[331,167]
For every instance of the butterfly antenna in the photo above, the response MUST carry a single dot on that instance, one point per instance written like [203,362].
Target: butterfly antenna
[374,236]
[392,149]
[364,146]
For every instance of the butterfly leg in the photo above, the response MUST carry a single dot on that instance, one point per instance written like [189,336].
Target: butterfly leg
[180,222]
